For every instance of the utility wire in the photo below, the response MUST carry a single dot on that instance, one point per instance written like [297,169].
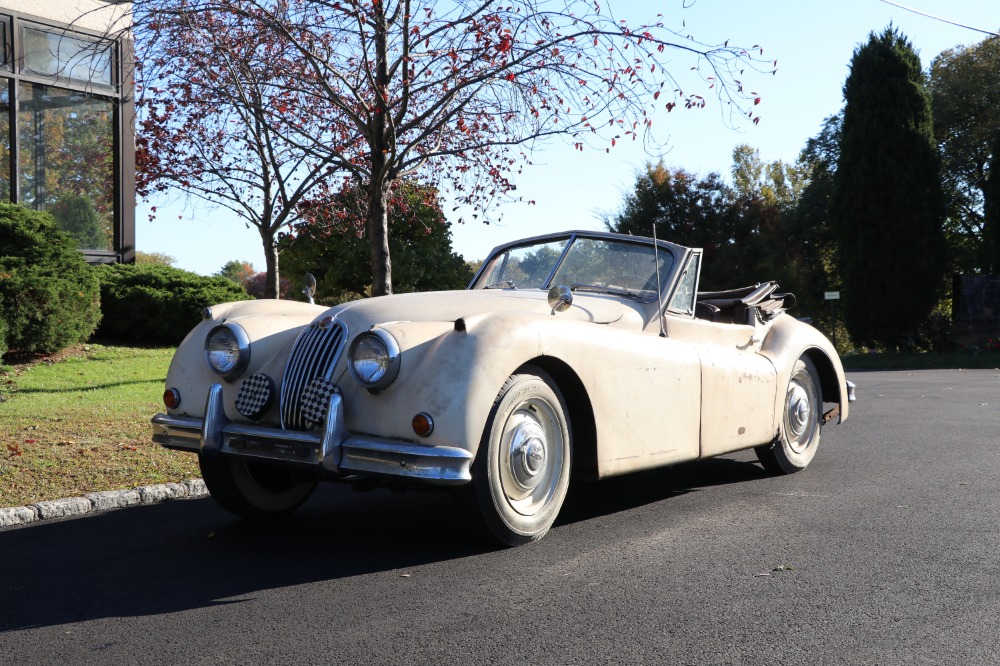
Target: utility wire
[943,20]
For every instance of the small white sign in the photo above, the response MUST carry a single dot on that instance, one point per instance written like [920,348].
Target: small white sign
[832,295]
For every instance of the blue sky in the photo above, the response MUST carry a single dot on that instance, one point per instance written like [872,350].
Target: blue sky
[812,40]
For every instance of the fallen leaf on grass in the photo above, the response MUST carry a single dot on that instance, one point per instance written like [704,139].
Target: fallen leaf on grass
[15,450]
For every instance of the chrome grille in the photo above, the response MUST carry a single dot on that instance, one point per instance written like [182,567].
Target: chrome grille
[315,354]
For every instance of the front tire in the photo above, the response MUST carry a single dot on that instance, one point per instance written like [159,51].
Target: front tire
[254,490]
[798,437]
[521,472]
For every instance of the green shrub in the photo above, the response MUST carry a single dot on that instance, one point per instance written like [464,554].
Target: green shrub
[3,333]
[48,293]
[158,304]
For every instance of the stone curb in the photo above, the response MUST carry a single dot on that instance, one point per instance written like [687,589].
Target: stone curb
[102,501]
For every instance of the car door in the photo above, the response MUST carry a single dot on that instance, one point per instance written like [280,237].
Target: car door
[737,384]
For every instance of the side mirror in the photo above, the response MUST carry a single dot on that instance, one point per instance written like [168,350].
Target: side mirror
[560,298]
[310,288]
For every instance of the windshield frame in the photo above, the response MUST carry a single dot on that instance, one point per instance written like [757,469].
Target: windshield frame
[678,253]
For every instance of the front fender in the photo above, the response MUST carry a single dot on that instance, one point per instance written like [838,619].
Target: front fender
[447,371]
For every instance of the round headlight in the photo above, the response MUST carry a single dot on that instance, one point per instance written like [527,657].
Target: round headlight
[227,350]
[374,359]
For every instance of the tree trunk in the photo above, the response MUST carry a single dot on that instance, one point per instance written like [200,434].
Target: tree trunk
[377,228]
[271,262]
[378,188]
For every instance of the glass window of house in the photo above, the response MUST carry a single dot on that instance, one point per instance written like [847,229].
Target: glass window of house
[4,140]
[67,56]
[66,149]
[5,40]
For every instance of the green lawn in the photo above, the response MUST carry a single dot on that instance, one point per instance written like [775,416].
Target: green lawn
[79,423]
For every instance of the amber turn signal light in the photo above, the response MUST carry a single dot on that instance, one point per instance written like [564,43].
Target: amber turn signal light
[171,398]
[423,424]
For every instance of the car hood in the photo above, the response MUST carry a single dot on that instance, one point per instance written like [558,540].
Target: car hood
[452,305]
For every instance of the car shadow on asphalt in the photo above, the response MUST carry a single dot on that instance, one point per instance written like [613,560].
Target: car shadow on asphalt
[186,554]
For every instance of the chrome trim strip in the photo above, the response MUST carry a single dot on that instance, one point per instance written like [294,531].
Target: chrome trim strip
[440,465]
[215,422]
[177,432]
[851,386]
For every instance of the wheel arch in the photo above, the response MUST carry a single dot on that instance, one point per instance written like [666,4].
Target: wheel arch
[828,379]
[583,427]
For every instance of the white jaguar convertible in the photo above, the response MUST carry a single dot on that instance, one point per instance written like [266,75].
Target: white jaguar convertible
[571,355]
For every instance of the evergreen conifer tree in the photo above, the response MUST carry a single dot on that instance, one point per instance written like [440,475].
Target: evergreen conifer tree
[887,204]
[991,226]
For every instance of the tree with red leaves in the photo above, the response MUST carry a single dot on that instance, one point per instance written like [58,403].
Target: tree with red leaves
[264,104]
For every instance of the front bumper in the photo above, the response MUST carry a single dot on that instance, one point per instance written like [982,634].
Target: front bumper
[328,450]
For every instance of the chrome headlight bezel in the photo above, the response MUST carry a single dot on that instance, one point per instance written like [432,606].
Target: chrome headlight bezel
[386,351]
[238,342]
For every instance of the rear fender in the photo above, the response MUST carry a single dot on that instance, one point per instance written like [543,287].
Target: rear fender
[786,341]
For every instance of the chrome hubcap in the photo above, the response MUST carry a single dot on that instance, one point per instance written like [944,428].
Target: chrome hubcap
[527,453]
[531,456]
[800,418]
[799,410]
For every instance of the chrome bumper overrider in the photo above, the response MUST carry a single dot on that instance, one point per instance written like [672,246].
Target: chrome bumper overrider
[330,449]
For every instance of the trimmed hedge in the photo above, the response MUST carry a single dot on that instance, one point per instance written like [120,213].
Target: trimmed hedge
[49,295]
[3,332]
[156,304]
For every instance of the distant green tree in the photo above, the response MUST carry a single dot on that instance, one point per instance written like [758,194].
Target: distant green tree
[77,216]
[808,221]
[686,210]
[965,88]
[237,271]
[333,248]
[887,204]
[154,258]
[739,230]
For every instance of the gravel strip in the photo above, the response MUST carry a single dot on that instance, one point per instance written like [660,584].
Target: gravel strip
[103,501]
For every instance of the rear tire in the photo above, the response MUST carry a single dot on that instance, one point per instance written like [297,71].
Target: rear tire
[253,490]
[798,437]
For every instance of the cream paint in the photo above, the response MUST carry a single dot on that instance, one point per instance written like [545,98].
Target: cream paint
[704,389]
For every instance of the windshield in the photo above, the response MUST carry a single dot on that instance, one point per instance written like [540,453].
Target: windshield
[589,264]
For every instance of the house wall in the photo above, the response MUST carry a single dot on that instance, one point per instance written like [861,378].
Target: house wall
[66,132]
[96,15]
